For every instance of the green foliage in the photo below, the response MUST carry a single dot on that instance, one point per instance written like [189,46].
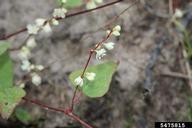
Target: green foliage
[3,47]
[6,71]
[9,98]
[100,85]
[23,115]
[71,3]
[9,95]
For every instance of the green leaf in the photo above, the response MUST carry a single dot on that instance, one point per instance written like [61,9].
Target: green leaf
[3,46]
[9,98]
[100,85]
[71,3]
[6,71]
[9,95]
[23,115]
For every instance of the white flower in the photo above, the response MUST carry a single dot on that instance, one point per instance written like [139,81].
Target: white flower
[24,53]
[78,81]
[109,45]
[47,28]
[32,29]
[32,66]
[91,5]
[39,67]
[36,79]
[59,12]
[31,43]
[55,22]
[22,85]
[178,13]
[63,1]
[25,66]
[100,53]
[40,22]
[116,30]
[90,76]
[108,31]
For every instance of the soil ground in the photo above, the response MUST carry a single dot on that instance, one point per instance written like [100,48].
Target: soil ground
[125,105]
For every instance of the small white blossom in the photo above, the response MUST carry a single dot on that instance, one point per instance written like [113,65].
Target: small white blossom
[32,29]
[109,45]
[91,5]
[90,76]
[25,66]
[116,30]
[100,53]
[178,13]
[32,66]
[63,1]
[79,81]
[59,12]
[108,31]
[47,28]
[40,22]
[22,85]
[55,22]
[31,43]
[39,67]
[24,53]
[36,79]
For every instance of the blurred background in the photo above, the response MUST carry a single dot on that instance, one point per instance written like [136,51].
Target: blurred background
[152,82]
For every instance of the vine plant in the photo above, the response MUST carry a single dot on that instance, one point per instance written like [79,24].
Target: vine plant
[92,81]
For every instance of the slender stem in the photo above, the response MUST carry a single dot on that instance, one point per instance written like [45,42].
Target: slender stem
[92,51]
[66,112]
[80,121]
[44,106]
[67,16]
[87,63]
[73,99]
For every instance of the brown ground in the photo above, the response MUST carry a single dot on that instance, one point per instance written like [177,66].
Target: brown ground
[124,106]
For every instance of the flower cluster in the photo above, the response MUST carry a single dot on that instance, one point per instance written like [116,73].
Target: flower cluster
[59,13]
[116,30]
[43,25]
[88,75]
[93,3]
[101,51]
[24,55]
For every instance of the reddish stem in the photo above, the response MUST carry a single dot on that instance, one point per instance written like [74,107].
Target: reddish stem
[73,99]
[80,121]
[92,51]
[67,16]
[66,112]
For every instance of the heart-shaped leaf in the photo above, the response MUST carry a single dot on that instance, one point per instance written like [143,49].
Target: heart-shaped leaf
[9,98]
[9,95]
[6,71]
[100,85]
[4,46]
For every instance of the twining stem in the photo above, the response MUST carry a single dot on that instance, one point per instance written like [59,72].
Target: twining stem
[65,111]
[73,99]
[69,111]
[68,15]
[92,51]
